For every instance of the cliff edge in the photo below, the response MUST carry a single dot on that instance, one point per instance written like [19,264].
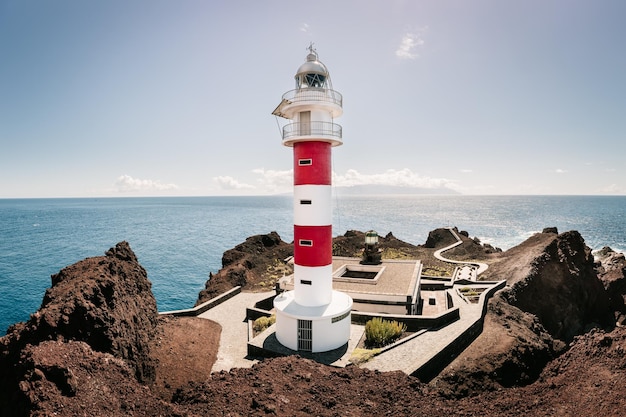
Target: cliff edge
[97,346]
[96,307]
[553,295]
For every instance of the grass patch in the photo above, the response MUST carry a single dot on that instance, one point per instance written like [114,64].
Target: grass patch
[360,355]
[397,253]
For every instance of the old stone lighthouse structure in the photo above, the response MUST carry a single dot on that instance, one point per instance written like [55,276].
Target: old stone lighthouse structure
[312,317]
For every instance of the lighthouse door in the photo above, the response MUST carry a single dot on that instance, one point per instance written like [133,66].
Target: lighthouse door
[305,335]
[305,123]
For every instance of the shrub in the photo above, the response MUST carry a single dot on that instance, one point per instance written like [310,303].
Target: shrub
[379,332]
[263,323]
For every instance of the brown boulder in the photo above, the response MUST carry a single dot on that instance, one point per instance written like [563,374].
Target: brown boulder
[104,301]
[611,269]
[71,379]
[553,295]
[255,265]
[439,238]
[562,288]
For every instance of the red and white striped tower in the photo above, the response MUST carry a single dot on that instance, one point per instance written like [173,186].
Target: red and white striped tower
[312,317]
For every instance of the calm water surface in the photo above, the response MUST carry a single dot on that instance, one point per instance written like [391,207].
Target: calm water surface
[180,240]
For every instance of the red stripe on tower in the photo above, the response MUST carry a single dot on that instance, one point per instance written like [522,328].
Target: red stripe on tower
[312,163]
[312,245]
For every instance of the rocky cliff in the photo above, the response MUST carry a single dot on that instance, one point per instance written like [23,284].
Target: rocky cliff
[255,265]
[553,294]
[96,345]
[105,302]
[611,267]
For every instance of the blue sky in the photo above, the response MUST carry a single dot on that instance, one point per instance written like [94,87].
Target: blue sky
[150,97]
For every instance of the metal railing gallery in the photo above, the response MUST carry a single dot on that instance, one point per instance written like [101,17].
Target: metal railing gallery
[314,94]
[315,129]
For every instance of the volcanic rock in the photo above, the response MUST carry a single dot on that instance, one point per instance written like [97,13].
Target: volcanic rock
[553,295]
[83,352]
[440,238]
[562,287]
[611,269]
[255,265]
[71,379]
[104,301]
[469,249]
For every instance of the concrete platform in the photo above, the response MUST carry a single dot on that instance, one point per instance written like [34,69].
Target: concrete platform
[266,344]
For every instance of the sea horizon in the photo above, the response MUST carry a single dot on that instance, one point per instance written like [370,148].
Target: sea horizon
[180,240]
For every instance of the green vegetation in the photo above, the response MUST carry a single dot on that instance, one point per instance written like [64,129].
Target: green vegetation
[379,332]
[263,323]
[276,270]
[360,355]
[468,292]
[436,272]
[397,253]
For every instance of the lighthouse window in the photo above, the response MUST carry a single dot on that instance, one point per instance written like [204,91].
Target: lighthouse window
[315,80]
[304,162]
[306,282]
[307,202]
[306,242]
[339,318]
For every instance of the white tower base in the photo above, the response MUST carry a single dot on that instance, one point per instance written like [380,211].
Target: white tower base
[313,329]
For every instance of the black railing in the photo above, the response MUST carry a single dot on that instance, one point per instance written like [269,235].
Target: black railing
[317,129]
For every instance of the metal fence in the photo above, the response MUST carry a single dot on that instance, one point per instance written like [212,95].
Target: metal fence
[316,129]
[314,94]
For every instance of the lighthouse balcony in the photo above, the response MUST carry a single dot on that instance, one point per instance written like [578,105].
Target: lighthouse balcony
[310,131]
[311,97]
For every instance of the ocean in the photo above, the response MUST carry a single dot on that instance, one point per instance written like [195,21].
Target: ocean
[180,240]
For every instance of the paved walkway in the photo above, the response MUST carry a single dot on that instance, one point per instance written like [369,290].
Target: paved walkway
[231,315]
[438,254]
[411,355]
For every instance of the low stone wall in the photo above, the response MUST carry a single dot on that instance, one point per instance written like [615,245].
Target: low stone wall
[413,323]
[253,313]
[267,303]
[207,305]
[440,360]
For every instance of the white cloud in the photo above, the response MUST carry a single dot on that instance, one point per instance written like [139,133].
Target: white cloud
[401,178]
[126,183]
[304,28]
[410,42]
[467,171]
[230,183]
[613,189]
[273,181]
[560,171]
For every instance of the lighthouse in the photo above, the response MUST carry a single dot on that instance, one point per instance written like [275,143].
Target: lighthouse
[312,317]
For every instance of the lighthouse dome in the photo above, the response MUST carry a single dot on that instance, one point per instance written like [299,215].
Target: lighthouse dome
[312,73]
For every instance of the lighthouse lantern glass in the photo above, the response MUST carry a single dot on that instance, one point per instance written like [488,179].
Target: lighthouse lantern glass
[371,238]
[311,80]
